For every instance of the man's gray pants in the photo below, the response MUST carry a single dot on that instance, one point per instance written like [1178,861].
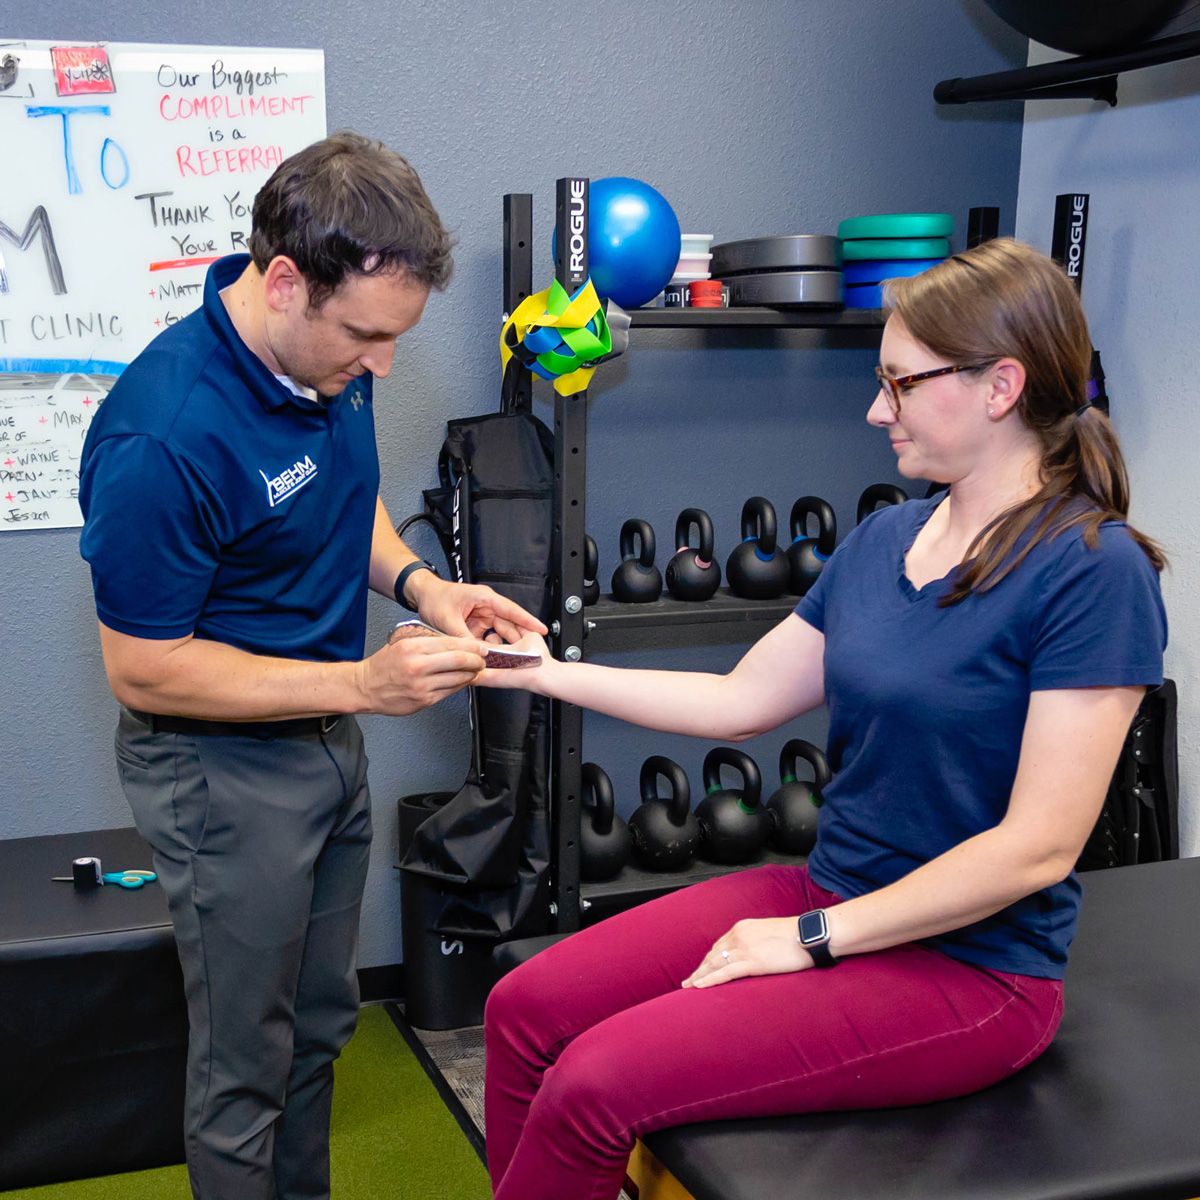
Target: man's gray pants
[261,846]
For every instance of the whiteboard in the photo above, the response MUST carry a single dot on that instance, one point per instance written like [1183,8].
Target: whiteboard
[125,170]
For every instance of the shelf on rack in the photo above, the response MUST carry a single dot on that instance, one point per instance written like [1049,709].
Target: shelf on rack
[788,318]
[634,886]
[724,606]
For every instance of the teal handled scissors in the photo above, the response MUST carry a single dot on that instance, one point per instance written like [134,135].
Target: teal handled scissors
[125,879]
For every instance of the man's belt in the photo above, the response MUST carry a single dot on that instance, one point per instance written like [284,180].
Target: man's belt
[195,727]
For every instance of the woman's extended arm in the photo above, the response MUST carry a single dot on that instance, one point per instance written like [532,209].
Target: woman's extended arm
[780,677]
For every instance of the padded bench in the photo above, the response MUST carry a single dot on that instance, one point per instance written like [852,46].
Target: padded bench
[1111,1111]
[93,1025]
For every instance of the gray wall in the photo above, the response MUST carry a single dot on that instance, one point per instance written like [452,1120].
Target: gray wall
[755,118]
[1139,163]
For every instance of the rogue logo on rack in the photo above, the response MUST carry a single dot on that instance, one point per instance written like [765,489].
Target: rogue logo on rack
[578,190]
[290,479]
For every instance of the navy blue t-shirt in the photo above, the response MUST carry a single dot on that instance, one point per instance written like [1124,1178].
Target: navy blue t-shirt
[217,502]
[927,707]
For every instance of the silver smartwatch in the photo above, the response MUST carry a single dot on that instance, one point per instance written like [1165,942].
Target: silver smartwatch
[814,937]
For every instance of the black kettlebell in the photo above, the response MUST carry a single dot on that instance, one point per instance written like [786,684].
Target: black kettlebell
[794,806]
[693,574]
[874,496]
[733,825]
[603,836]
[591,569]
[757,569]
[806,555]
[664,832]
[637,580]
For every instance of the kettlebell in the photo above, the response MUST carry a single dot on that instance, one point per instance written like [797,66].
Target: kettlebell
[692,574]
[878,494]
[806,555]
[603,836]
[637,580]
[664,832]
[757,569]
[733,826]
[591,569]
[794,806]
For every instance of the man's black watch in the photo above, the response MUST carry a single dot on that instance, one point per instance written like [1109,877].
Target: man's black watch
[418,564]
[814,937]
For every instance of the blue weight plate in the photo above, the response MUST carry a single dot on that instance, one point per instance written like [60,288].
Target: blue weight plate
[864,295]
[876,270]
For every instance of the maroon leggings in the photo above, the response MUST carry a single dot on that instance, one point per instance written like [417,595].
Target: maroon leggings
[593,1042]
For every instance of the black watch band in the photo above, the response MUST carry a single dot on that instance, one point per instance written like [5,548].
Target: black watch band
[418,564]
[813,934]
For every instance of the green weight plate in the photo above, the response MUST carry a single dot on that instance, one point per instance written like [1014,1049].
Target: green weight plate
[897,225]
[861,248]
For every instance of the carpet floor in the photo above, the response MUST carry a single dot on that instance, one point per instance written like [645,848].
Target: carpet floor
[392,1135]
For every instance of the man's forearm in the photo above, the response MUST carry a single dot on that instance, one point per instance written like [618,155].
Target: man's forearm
[199,678]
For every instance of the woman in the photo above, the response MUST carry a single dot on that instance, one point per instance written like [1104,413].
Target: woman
[982,654]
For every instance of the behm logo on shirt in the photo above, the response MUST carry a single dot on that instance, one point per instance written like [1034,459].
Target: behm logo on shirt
[289,480]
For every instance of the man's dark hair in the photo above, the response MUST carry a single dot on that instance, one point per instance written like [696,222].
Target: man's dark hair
[348,205]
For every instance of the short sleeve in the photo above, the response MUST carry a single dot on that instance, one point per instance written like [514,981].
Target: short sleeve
[1100,620]
[151,535]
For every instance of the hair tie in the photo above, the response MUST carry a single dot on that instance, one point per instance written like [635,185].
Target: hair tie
[1083,408]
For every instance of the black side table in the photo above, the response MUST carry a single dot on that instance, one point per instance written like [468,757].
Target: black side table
[93,1025]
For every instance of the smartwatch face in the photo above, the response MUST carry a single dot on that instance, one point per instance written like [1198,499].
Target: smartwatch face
[813,928]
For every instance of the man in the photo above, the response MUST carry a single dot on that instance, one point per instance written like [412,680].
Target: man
[233,524]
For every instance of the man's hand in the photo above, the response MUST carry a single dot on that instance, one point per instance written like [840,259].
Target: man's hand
[469,609]
[413,673]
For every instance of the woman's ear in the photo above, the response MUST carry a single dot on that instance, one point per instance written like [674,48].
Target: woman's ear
[1007,379]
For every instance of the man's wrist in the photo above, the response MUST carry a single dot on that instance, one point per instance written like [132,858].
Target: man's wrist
[410,581]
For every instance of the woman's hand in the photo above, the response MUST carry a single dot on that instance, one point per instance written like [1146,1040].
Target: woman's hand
[769,946]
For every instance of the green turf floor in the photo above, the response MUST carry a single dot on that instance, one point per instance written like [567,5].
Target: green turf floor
[392,1136]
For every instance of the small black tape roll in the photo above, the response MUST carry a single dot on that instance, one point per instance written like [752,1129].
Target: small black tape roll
[86,872]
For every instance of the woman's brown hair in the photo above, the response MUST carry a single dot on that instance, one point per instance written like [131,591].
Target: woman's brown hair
[1003,299]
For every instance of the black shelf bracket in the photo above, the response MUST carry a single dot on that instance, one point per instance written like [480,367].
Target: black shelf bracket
[1089,77]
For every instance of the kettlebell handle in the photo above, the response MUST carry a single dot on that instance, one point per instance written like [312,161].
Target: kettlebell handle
[704,532]
[758,524]
[814,506]
[636,530]
[742,763]
[798,748]
[597,784]
[679,802]
[874,496]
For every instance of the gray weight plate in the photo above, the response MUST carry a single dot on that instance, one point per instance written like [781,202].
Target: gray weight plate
[823,288]
[794,252]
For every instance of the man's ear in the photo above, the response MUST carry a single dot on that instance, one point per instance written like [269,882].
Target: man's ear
[284,288]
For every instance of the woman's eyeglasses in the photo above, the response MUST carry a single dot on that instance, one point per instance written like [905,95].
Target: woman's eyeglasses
[891,385]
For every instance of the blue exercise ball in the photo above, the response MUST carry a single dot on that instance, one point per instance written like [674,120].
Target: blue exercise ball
[633,240]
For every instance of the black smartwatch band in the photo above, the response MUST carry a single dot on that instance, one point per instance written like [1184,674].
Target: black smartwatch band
[813,934]
[418,564]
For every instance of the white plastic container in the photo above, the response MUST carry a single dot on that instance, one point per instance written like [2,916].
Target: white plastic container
[695,243]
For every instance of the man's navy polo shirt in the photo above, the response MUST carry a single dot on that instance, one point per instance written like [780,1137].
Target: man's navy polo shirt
[217,502]
[927,707]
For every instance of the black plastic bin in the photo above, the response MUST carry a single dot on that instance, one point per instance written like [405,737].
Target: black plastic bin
[446,979]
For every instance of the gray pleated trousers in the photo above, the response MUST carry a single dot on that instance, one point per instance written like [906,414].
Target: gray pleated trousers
[261,846]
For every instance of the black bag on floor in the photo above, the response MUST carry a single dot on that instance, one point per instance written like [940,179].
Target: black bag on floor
[488,847]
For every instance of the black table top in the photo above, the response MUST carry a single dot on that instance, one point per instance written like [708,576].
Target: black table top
[40,918]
